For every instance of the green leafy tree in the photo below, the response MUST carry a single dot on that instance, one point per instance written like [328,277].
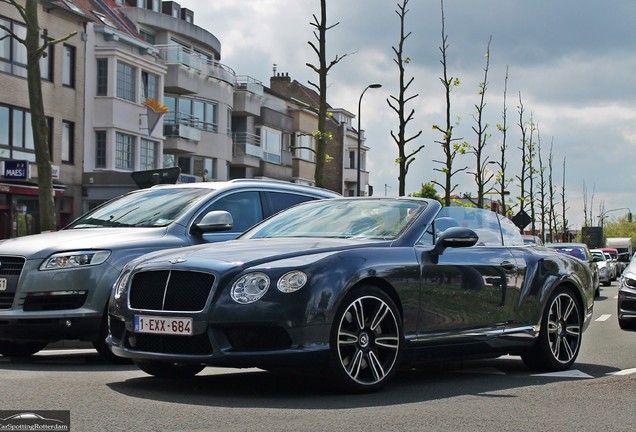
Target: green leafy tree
[428,191]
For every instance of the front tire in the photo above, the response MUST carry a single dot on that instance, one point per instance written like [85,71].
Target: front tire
[169,370]
[20,349]
[366,341]
[559,339]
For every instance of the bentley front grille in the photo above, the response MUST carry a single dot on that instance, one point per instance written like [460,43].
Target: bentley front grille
[170,290]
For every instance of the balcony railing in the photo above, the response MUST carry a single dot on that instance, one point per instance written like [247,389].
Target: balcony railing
[246,143]
[177,54]
[249,84]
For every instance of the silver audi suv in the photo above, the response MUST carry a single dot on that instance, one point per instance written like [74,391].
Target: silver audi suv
[55,286]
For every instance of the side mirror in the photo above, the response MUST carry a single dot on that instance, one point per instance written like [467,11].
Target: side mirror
[455,237]
[216,220]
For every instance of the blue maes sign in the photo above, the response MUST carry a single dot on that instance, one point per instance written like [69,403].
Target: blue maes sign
[16,170]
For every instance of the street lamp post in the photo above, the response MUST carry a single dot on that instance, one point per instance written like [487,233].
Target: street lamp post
[359,138]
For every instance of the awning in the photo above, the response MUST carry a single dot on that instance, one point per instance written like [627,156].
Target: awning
[22,189]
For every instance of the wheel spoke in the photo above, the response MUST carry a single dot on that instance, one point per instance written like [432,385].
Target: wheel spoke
[383,310]
[573,330]
[347,338]
[390,342]
[357,310]
[376,367]
[568,310]
[355,365]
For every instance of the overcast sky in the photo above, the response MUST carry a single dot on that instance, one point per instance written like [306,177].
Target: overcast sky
[571,62]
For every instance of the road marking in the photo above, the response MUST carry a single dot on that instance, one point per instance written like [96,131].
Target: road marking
[565,374]
[624,372]
[603,317]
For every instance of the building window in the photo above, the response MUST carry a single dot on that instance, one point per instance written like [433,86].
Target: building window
[229,121]
[184,162]
[102,77]
[352,159]
[68,66]
[211,121]
[150,85]
[272,142]
[148,37]
[16,134]
[13,55]
[305,144]
[100,149]
[147,155]
[124,151]
[126,81]
[46,63]
[68,141]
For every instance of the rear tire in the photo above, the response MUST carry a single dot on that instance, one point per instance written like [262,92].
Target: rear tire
[559,339]
[169,370]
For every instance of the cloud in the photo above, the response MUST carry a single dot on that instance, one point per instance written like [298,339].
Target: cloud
[571,61]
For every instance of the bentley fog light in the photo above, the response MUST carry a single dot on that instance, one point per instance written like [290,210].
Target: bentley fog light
[292,281]
[250,288]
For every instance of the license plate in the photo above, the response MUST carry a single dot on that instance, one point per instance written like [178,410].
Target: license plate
[3,284]
[163,325]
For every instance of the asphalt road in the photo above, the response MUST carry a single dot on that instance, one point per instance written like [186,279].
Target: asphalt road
[493,395]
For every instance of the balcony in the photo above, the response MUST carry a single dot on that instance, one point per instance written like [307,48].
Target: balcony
[187,68]
[248,96]
[247,150]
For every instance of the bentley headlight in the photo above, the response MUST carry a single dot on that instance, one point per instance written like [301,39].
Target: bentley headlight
[121,283]
[250,288]
[74,259]
[629,281]
[292,281]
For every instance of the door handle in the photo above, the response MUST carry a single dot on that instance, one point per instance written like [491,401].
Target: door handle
[507,265]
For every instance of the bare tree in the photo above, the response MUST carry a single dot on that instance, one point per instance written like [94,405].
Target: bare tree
[552,195]
[322,136]
[502,181]
[404,160]
[36,45]
[564,221]
[543,193]
[481,174]
[523,173]
[530,163]
[449,145]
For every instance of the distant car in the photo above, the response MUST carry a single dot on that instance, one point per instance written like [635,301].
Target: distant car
[604,266]
[532,239]
[582,252]
[626,304]
[55,286]
[613,260]
[353,287]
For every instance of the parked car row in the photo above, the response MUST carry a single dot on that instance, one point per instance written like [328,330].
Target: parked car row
[350,287]
[582,253]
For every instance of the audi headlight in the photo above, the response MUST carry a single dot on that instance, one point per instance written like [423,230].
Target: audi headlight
[74,259]
[292,281]
[629,282]
[250,288]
